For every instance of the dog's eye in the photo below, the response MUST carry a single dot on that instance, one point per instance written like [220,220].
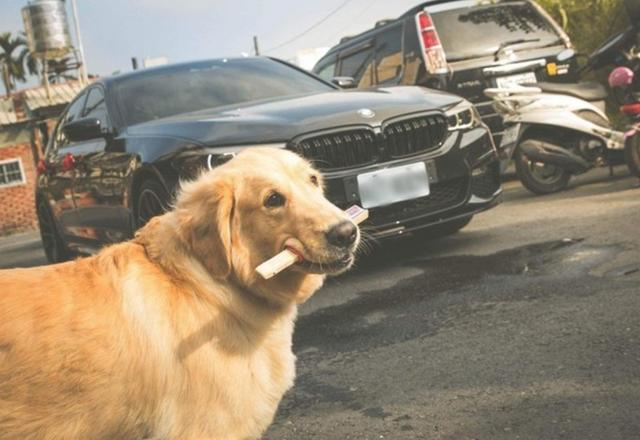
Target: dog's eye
[314,180]
[274,200]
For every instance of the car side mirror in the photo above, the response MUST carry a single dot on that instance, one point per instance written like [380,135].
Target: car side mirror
[344,82]
[83,129]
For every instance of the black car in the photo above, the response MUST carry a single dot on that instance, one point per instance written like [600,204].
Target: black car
[461,46]
[416,158]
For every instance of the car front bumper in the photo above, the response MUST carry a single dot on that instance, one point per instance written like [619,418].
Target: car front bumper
[464,179]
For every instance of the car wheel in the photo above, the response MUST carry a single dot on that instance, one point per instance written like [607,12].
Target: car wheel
[444,229]
[152,200]
[54,248]
[538,177]
[632,155]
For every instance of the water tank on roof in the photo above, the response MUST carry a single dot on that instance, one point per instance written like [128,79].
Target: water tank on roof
[47,28]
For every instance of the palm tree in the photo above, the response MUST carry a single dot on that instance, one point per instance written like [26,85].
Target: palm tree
[59,70]
[15,60]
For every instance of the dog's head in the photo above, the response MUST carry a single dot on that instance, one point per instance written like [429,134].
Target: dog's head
[261,202]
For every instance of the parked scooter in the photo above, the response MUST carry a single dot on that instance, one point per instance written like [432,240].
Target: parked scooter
[557,130]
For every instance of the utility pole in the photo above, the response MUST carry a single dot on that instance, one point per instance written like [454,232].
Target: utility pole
[255,45]
[83,67]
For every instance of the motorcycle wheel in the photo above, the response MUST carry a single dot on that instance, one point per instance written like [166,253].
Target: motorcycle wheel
[632,155]
[538,177]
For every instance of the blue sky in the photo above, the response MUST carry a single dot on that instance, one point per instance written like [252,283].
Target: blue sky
[113,31]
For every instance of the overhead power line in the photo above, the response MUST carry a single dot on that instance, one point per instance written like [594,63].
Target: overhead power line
[355,18]
[309,29]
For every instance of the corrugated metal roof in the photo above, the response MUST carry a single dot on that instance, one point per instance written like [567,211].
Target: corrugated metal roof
[60,94]
[7,112]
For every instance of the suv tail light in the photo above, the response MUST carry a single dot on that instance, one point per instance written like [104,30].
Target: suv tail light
[434,57]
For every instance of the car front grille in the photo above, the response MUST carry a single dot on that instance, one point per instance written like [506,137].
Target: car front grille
[346,148]
[417,135]
[444,195]
[341,149]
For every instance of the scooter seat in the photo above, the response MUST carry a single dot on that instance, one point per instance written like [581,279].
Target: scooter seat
[589,91]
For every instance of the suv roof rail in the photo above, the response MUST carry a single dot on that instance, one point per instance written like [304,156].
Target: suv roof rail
[423,5]
[345,38]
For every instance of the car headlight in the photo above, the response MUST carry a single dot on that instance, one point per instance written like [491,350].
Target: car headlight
[462,115]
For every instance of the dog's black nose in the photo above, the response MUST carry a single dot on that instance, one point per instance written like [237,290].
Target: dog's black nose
[343,234]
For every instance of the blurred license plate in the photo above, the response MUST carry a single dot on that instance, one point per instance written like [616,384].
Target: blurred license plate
[391,185]
[515,80]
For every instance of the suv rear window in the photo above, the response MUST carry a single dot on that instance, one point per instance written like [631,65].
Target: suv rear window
[478,31]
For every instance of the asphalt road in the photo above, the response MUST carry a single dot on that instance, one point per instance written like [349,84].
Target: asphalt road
[525,325]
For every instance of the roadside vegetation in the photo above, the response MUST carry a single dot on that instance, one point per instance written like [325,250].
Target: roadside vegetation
[15,61]
[589,23]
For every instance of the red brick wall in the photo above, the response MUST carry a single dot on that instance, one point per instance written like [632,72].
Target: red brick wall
[17,203]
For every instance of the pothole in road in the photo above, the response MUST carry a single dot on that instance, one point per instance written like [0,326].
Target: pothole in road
[440,293]
[566,258]
[447,289]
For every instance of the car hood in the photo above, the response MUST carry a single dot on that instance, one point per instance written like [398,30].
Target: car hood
[281,120]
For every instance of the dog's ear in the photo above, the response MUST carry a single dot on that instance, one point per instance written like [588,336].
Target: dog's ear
[205,209]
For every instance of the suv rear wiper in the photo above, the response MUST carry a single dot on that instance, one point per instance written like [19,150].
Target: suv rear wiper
[506,44]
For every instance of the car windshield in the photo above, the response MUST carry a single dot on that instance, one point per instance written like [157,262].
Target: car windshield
[477,31]
[184,89]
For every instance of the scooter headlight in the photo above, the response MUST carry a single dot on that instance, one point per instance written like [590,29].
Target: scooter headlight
[462,115]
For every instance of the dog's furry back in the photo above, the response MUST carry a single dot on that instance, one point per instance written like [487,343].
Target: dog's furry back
[172,335]
[110,347]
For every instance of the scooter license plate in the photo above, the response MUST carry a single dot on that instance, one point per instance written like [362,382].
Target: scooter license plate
[392,185]
[511,81]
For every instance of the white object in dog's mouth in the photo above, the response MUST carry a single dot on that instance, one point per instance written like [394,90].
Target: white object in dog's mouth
[337,265]
[296,252]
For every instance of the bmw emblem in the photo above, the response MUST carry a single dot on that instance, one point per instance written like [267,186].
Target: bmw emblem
[366,113]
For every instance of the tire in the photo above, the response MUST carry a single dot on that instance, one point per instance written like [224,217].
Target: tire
[444,229]
[152,199]
[540,178]
[54,247]
[632,155]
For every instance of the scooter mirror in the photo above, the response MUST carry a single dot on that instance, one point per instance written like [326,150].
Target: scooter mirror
[566,55]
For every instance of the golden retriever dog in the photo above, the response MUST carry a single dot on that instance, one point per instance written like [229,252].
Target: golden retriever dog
[173,335]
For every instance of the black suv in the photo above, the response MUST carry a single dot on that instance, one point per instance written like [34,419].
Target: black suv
[461,46]
[416,158]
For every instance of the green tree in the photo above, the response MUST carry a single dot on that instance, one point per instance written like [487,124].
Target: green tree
[588,22]
[60,70]
[15,60]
